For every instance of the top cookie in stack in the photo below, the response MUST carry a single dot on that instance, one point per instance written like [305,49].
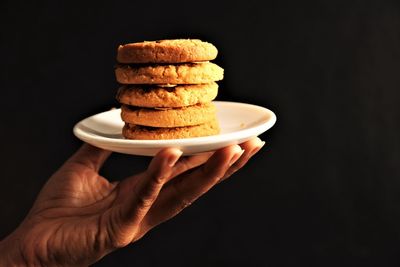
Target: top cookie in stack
[167,89]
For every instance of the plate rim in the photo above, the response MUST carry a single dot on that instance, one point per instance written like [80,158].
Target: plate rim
[84,136]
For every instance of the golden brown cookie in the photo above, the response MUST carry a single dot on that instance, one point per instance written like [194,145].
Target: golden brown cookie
[169,117]
[167,51]
[149,133]
[188,73]
[171,97]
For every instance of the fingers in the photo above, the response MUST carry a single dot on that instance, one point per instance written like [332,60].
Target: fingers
[185,189]
[250,148]
[186,163]
[90,156]
[152,197]
[137,194]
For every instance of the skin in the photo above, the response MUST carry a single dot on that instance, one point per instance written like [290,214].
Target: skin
[79,216]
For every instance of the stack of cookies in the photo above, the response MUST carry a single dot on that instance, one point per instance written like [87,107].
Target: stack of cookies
[167,89]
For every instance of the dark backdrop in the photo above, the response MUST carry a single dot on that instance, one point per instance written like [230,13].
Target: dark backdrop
[325,189]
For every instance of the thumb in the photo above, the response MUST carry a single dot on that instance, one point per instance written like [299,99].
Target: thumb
[137,194]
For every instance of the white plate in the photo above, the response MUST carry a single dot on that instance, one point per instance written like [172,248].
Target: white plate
[239,122]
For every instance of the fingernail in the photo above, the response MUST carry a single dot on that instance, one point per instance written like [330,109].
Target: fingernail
[174,157]
[236,157]
[255,150]
[262,144]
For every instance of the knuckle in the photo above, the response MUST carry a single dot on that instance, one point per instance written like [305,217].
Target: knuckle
[147,196]
[184,162]
[158,179]
[212,174]
[183,166]
[144,201]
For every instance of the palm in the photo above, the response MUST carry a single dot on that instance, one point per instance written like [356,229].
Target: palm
[68,212]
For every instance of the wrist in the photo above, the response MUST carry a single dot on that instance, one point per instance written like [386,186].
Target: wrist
[10,251]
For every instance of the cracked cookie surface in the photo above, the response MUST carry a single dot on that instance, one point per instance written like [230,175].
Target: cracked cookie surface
[172,117]
[160,96]
[131,131]
[187,73]
[167,51]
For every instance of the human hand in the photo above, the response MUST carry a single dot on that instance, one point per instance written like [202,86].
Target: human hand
[79,216]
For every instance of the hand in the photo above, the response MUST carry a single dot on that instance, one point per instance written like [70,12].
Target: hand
[79,216]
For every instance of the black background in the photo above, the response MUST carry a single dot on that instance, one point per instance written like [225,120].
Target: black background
[325,189]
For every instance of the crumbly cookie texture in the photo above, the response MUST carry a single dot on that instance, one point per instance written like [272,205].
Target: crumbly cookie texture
[167,51]
[148,133]
[173,117]
[188,73]
[171,97]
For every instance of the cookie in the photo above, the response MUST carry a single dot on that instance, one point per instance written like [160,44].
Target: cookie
[131,131]
[169,117]
[187,73]
[172,97]
[167,51]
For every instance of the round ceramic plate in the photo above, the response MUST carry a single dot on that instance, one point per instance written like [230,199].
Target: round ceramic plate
[239,122]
